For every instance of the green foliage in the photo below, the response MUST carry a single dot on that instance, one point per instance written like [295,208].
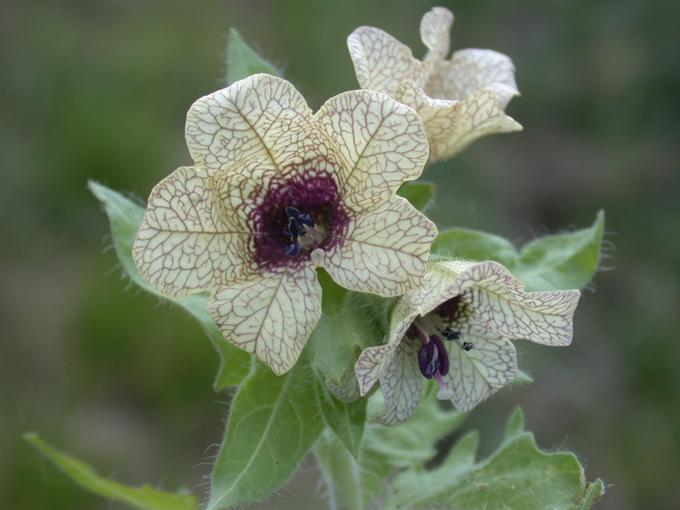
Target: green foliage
[517,476]
[273,422]
[566,261]
[242,61]
[419,193]
[144,498]
[474,245]
[558,262]
[346,420]
[126,216]
[385,450]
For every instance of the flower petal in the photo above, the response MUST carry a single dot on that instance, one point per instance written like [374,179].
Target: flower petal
[185,244]
[271,318]
[453,125]
[373,360]
[477,373]
[401,385]
[382,141]
[471,70]
[381,61]
[384,252]
[434,31]
[499,301]
[257,115]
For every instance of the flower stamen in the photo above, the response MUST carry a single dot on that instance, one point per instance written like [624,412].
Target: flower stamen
[301,225]
[451,335]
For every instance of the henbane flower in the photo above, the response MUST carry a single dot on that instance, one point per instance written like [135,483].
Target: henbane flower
[458,100]
[456,328]
[276,192]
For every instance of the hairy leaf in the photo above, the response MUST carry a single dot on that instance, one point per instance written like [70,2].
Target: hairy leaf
[242,61]
[346,420]
[274,421]
[517,476]
[566,261]
[559,262]
[125,216]
[385,451]
[144,497]
[475,245]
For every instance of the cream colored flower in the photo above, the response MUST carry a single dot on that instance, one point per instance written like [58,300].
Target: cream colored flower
[458,100]
[276,192]
[456,328]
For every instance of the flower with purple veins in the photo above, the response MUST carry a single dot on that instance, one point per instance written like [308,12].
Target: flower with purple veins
[456,328]
[276,192]
[458,100]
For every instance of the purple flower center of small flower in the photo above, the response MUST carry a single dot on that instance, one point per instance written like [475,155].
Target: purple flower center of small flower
[431,329]
[296,216]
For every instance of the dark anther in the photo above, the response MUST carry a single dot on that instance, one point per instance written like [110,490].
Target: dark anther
[443,357]
[467,346]
[432,358]
[300,218]
[450,334]
[293,229]
[427,360]
[293,249]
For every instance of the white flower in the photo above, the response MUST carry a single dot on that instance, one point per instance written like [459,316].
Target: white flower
[276,192]
[456,328]
[458,100]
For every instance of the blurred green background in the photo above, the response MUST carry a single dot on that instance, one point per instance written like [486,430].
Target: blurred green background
[99,89]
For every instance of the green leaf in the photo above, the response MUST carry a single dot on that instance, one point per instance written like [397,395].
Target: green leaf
[517,476]
[346,420]
[389,449]
[515,424]
[419,193]
[475,245]
[126,216]
[334,296]
[242,61]
[144,498]
[341,472]
[561,262]
[522,378]
[336,343]
[274,421]
[593,493]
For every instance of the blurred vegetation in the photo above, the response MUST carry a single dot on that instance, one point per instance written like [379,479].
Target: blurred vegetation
[99,89]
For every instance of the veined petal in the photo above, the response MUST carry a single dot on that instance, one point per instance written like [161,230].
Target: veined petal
[185,244]
[257,115]
[401,384]
[381,62]
[475,374]
[453,125]
[373,360]
[382,142]
[471,70]
[384,252]
[434,31]
[499,301]
[271,318]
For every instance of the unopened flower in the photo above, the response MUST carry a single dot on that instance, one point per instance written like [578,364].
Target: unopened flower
[458,100]
[456,328]
[276,192]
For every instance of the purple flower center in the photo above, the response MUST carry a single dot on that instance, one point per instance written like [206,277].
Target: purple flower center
[296,216]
